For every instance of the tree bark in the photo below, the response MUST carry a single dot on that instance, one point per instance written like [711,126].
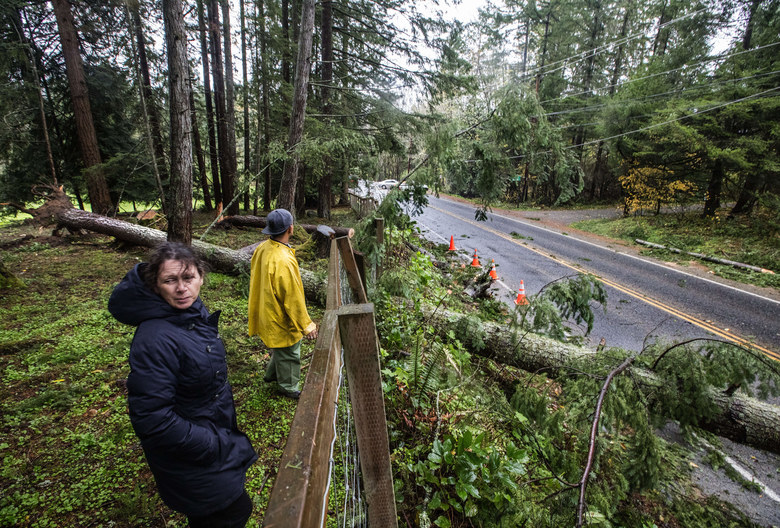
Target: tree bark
[266,115]
[226,174]
[220,259]
[179,212]
[213,156]
[245,91]
[302,69]
[748,36]
[286,45]
[97,188]
[229,190]
[712,201]
[198,149]
[326,180]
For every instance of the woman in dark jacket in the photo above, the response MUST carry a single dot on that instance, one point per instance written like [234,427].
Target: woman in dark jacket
[181,404]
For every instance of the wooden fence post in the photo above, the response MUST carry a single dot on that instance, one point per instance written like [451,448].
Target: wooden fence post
[361,358]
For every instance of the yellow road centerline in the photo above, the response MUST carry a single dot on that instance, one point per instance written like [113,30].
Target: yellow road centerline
[724,333]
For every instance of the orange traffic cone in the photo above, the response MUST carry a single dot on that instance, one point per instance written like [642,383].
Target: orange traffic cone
[452,244]
[521,295]
[475,261]
[493,274]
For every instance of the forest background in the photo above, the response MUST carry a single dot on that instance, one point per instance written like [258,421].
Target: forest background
[546,103]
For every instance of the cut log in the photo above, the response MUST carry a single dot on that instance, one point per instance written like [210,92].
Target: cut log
[740,418]
[221,259]
[259,221]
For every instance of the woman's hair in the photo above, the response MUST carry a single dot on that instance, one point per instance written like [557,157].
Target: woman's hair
[170,251]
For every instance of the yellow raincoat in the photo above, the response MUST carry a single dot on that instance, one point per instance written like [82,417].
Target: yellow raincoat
[277,307]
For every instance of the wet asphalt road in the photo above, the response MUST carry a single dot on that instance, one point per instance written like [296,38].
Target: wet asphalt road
[647,300]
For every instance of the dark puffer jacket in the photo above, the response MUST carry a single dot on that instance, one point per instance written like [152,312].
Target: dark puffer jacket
[181,404]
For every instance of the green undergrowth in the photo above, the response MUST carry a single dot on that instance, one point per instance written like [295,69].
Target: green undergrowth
[68,454]
[478,442]
[753,240]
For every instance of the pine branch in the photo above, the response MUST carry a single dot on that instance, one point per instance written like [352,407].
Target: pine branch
[760,357]
[594,434]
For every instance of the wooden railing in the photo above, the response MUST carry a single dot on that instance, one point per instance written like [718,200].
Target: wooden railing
[362,205]
[299,498]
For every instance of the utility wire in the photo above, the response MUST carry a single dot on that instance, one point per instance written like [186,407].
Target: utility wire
[573,59]
[712,59]
[660,94]
[656,125]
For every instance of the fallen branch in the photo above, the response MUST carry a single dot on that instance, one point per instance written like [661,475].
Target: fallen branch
[705,257]
[594,433]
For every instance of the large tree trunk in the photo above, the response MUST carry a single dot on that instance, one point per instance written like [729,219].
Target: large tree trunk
[739,418]
[266,116]
[326,180]
[225,168]
[213,156]
[245,92]
[180,198]
[220,259]
[748,36]
[229,190]
[712,200]
[97,188]
[198,150]
[302,69]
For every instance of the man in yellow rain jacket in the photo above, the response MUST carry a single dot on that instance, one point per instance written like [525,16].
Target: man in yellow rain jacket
[277,307]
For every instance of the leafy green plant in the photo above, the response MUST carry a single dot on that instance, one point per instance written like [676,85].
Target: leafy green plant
[468,475]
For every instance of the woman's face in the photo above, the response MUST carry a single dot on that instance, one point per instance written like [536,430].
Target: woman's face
[178,283]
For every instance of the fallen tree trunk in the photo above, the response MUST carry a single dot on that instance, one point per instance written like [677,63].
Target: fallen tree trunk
[708,258]
[259,221]
[739,418]
[221,259]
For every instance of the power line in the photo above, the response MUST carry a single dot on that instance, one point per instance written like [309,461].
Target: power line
[712,59]
[656,125]
[589,53]
[659,94]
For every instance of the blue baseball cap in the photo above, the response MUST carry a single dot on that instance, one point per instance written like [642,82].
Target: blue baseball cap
[277,222]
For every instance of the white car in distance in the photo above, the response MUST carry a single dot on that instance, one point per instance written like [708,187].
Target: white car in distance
[387,184]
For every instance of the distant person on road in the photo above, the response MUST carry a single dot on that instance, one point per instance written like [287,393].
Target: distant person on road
[181,404]
[277,306]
